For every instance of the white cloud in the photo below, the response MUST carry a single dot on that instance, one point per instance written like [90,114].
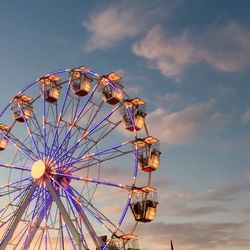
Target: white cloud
[170,55]
[225,47]
[218,120]
[246,117]
[113,24]
[179,127]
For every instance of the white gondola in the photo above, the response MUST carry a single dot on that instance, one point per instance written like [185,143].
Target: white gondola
[80,83]
[137,109]
[144,203]
[3,141]
[111,94]
[52,89]
[22,108]
[149,153]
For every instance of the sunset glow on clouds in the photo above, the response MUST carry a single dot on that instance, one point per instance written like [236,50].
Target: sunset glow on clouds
[190,61]
[172,55]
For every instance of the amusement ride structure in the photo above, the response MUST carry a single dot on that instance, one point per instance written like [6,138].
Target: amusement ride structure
[76,164]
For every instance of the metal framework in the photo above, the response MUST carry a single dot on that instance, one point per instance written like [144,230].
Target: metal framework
[68,165]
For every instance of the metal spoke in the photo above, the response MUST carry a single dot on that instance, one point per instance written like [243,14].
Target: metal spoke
[38,222]
[87,140]
[61,112]
[87,224]
[30,132]
[32,219]
[18,147]
[45,218]
[19,213]
[85,208]
[9,184]
[76,119]
[87,148]
[69,236]
[44,124]
[100,152]
[79,227]
[64,214]
[16,197]
[97,211]
[96,181]
[11,166]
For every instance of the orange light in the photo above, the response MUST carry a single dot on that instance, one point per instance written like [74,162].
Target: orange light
[54,93]
[139,122]
[150,213]
[154,161]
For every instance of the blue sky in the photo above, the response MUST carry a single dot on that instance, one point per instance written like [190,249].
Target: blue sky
[190,61]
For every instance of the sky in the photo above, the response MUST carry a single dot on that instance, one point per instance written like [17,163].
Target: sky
[189,60]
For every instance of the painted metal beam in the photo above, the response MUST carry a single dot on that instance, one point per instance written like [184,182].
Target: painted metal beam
[18,217]
[65,215]
[97,240]
[37,224]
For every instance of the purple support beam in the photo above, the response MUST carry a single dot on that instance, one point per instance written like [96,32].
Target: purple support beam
[85,208]
[90,229]
[88,156]
[44,125]
[10,202]
[86,134]
[32,218]
[60,115]
[106,183]
[38,222]
[4,165]
[19,213]
[76,119]
[64,213]
[16,146]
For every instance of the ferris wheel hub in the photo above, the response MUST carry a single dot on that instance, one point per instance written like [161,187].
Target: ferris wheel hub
[38,169]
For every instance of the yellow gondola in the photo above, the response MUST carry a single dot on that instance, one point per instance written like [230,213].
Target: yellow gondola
[3,141]
[22,108]
[80,84]
[149,154]
[144,204]
[111,94]
[52,90]
[138,112]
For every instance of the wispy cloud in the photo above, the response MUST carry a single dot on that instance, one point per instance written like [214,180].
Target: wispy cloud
[246,117]
[218,120]
[180,127]
[194,211]
[196,204]
[172,55]
[225,192]
[197,235]
[116,23]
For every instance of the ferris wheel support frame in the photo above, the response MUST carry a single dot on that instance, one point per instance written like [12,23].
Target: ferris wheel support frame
[65,215]
[37,223]
[60,160]
[87,224]
[6,238]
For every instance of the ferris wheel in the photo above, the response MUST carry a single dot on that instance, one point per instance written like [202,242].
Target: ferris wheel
[76,164]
